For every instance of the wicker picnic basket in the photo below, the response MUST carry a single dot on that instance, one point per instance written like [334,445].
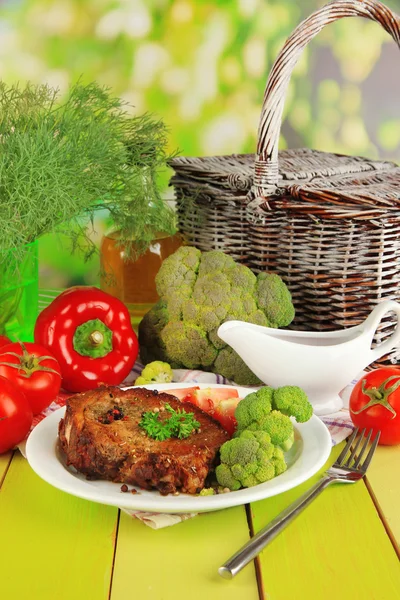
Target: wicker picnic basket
[328,224]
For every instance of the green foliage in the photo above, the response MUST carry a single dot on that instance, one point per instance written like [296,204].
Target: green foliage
[169,424]
[62,160]
[202,66]
[199,291]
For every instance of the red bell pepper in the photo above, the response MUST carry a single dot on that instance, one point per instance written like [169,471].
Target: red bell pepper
[90,334]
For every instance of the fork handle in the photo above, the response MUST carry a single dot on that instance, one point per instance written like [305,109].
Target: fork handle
[270,531]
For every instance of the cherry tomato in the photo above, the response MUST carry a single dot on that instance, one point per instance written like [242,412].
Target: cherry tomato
[4,340]
[32,369]
[375,403]
[15,415]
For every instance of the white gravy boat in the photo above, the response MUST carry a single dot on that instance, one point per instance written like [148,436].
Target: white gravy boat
[321,363]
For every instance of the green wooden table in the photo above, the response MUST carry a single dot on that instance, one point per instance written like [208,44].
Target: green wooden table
[56,546]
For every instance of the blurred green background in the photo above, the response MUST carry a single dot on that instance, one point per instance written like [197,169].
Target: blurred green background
[202,66]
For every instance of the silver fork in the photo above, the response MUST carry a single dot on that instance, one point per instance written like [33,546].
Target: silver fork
[343,471]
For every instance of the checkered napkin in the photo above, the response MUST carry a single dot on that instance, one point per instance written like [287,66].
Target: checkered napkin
[339,425]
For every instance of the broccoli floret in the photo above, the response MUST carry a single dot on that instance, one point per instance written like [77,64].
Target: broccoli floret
[255,413]
[274,298]
[209,303]
[216,341]
[207,492]
[292,401]
[215,260]
[229,364]
[253,409]
[248,460]
[280,428]
[198,292]
[156,371]
[178,271]
[243,280]
[151,345]
[188,344]
[278,460]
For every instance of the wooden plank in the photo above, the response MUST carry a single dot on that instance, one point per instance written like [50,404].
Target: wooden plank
[5,460]
[337,548]
[53,545]
[182,561]
[384,483]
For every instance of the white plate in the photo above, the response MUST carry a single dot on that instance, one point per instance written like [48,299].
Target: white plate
[308,454]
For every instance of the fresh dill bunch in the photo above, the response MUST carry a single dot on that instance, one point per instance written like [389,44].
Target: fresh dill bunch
[64,160]
[179,424]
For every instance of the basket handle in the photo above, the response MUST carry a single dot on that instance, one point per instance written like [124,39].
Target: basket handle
[266,172]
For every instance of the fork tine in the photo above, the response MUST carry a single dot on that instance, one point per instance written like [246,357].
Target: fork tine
[365,464]
[343,453]
[353,452]
[362,451]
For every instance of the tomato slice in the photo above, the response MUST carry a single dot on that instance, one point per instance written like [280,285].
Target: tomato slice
[209,398]
[219,403]
[224,413]
[183,394]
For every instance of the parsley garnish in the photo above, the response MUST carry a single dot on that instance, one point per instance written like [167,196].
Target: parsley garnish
[179,424]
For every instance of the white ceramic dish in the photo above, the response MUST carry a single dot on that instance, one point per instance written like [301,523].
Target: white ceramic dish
[322,363]
[308,454]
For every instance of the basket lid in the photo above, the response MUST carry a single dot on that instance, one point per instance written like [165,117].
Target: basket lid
[236,171]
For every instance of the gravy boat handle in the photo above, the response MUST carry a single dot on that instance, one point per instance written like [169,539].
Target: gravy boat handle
[371,323]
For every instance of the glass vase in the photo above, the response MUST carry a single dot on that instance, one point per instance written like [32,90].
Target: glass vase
[19,291]
[133,280]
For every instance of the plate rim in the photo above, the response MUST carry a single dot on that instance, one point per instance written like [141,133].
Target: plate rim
[152,501]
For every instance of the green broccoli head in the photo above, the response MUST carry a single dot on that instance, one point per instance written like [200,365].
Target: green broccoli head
[280,429]
[151,345]
[278,460]
[178,272]
[209,303]
[215,261]
[229,364]
[188,345]
[156,371]
[274,299]
[198,292]
[292,401]
[176,278]
[253,409]
[242,280]
[248,460]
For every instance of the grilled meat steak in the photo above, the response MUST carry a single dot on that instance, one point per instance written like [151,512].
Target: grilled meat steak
[101,437]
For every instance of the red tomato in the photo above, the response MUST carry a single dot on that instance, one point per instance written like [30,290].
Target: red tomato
[32,369]
[219,403]
[209,398]
[4,340]
[225,414]
[375,403]
[184,394]
[15,415]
